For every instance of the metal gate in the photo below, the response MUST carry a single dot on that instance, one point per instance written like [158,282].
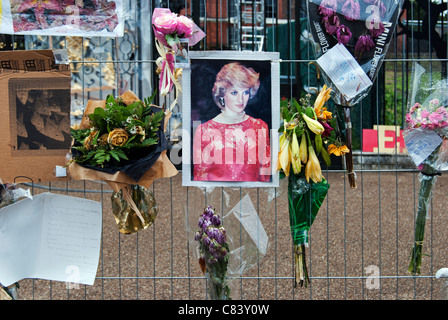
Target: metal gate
[361,238]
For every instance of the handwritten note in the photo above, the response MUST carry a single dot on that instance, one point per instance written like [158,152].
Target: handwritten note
[54,237]
[344,71]
[421,143]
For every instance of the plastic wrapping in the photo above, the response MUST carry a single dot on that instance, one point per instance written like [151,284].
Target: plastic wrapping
[11,192]
[305,200]
[134,208]
[245,235]
[171,31]
[363,29]
[442,274]
[425,137]
[351,39]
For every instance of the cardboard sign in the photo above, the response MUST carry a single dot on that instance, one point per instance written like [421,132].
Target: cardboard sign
[35,121]
[383,139]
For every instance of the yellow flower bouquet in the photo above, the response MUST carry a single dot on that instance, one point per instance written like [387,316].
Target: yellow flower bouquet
[306,134]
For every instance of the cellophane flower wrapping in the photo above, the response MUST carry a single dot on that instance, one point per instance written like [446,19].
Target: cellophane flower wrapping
[122,141]
[247,241]
[425,136]
[134,208]
[169,30]
[214,253]
[363,27]
[351,39]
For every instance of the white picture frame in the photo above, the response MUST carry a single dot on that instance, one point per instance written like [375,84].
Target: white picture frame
[198,106]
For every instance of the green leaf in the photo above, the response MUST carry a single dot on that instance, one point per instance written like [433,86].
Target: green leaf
[149,142]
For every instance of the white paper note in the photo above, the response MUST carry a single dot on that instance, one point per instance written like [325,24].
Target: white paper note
[421,143]
[54,237]
[344,71]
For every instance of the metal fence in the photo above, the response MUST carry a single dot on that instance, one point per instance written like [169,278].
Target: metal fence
[361,239]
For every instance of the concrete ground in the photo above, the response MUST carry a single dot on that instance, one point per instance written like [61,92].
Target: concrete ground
[358,234]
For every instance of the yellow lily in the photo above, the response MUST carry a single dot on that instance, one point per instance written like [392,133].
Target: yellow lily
[295,154]
[313,169]
[284,155]
[337,151]
[322,97]
[313,125]
[303,150]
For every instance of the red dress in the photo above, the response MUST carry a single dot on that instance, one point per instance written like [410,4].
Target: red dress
[232,152]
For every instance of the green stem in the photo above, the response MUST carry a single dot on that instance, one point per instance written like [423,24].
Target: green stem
[424,198]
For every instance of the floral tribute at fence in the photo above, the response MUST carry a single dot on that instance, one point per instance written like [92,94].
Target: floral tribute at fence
[122,141]
[214,253]
[425,138]
[307,133]
[170,30]
[352,38]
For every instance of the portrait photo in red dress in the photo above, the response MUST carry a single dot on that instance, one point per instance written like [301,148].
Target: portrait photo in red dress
[233,113]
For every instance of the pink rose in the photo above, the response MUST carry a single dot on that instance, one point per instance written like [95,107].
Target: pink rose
[435,118]
[184,27]
[166,24]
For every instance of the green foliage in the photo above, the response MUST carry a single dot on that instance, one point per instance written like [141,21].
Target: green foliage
[116,131]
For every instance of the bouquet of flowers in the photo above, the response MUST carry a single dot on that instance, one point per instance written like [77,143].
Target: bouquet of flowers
[214,253]
[426,140]
[122,141]
[170,30]
[307,133]
[351,40]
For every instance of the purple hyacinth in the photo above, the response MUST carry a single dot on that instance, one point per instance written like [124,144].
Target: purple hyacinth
[343,34]
[365,43]
[215,220]
[212,235]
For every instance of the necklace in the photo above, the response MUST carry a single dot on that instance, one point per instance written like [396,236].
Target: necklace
[240,116]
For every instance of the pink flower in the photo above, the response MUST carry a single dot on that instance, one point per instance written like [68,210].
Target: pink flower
[381,6]
[408,117]
[441,110]
[425,113]
[166,24]
[376,27]
[435,118]
[351,10]
[328,7]
[343,34]
[434,101]
[415,107]
[331,24]
[443,124]
[365,43]
[184,27]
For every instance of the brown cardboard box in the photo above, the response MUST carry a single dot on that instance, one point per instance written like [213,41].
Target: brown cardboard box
[35,122]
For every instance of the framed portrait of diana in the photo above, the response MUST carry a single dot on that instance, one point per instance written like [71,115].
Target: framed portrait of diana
[231,115]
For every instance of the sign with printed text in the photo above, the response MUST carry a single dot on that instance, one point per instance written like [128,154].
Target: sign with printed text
[383,139]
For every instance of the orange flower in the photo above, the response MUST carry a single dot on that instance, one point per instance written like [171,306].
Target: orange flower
[337,151]
[321,99]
